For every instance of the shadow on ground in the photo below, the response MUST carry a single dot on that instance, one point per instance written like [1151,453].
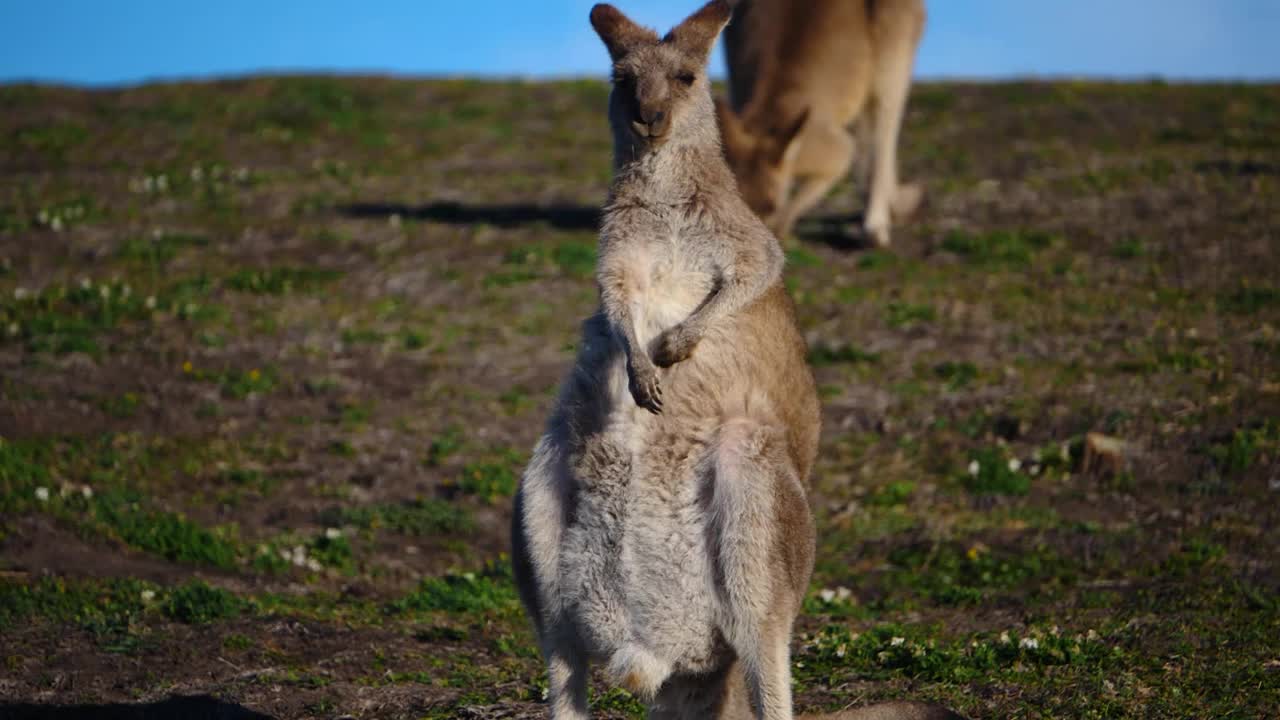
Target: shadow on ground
[562,216]
[196,707]
[838,231]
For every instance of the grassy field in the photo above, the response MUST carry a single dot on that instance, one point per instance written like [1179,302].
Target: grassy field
[273,352]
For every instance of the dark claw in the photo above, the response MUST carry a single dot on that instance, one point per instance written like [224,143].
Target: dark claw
[647,393]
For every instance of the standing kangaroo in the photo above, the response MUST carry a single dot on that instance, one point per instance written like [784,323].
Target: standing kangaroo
[800,73]
[661,528]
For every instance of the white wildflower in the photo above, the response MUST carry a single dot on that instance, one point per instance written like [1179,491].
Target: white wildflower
[332,533]
[897,641]
[974,467]
[86,283]
[1091,635]
[104,291]
[150,302]
[840,650]
[1004,638]
[126,291]
[394,220]
[86,491]
[20,293]
[1015,465]
[13,328]
[314,565]
[1028,643]
[197,174]
[162,182]
[827,595]
[56,223]
[148,595]
[42,494]
[843,594]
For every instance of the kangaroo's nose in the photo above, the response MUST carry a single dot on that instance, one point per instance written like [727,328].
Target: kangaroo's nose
[652,117]
[650,123]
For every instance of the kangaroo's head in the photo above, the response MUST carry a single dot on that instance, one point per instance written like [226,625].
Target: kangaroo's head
[762,159]
[660,86]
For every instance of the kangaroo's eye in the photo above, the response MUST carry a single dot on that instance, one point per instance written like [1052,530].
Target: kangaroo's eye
[685,78]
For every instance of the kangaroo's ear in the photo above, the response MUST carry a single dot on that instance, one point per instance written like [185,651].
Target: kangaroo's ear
[699,31]
[617,31]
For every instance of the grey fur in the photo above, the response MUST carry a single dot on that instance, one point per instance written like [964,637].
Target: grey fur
[662,528]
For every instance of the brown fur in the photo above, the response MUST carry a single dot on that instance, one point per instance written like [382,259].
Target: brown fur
[662,526]
[800,73]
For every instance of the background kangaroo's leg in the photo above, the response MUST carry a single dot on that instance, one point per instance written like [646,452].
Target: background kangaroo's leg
[824,158]
[892,82]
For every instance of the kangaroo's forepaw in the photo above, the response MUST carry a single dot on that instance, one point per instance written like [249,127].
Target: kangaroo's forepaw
[643,383]
[674,345]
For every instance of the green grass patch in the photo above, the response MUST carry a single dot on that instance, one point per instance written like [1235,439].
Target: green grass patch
[1128,249]
[956,375]
[163,533]
[997,247]
[901,314]
[198,603]
[571,258]
[492,590]
[836,654]
[1249,299]
[160,248]
[444,446]
[992,472]
[845,354]
[489,480]
[423,517]
[1246,448]
[281,281]
[895,493]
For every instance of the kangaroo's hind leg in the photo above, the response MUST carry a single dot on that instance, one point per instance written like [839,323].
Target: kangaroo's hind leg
[541,512]
[763,534]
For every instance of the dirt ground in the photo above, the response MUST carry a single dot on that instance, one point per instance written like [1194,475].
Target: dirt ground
[274,350]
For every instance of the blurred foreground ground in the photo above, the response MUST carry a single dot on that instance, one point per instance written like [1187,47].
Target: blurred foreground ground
[273,352]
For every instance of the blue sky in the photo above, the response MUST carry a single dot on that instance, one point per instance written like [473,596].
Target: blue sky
[93,42]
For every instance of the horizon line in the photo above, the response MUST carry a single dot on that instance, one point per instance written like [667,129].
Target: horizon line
[214,77]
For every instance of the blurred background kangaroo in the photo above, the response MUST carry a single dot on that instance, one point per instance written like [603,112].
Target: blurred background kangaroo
[800,75]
